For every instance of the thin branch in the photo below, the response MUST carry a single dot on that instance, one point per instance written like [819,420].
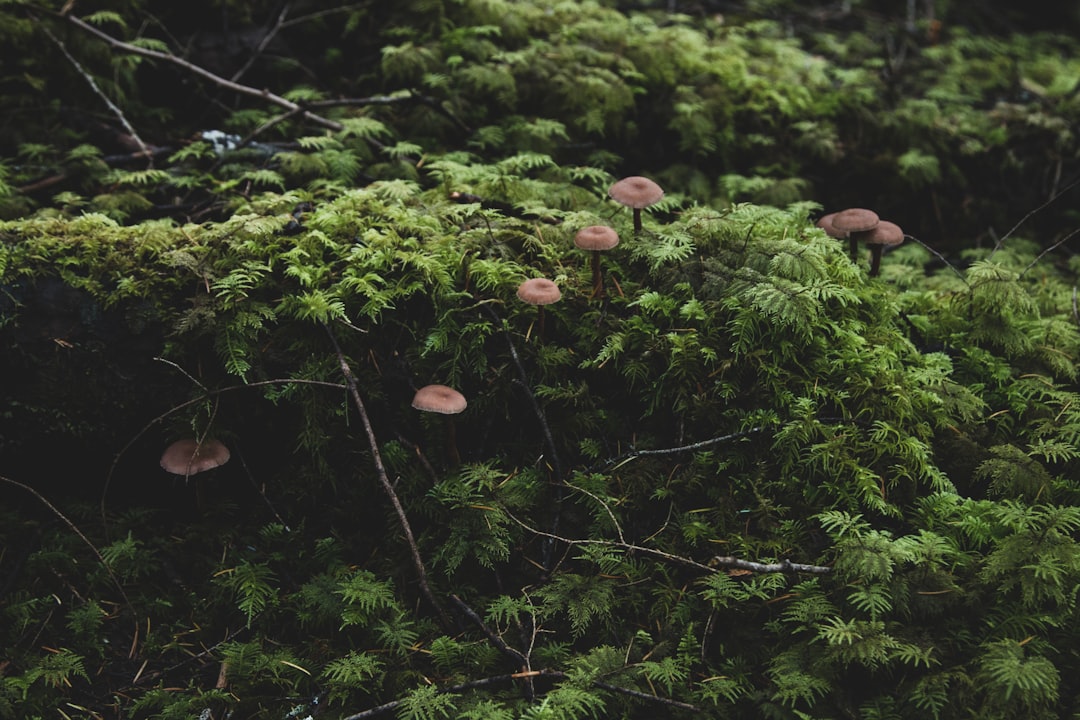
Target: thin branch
[93,548]
[523,383]
[939,256]
[384,480]
[597,498]
[548,674]
[784,566]
[1055,196]
[263,43]
[264,95]
[496,642]
[724,561]
[1050,249]
[143,149]
[413,97]
[618,462]
[629,547]
[646,696]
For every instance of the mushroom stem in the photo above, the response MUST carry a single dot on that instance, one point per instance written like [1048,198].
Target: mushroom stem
[637,221]
[597,273]
[452,454]
[854,247]
[540,321]
[875,259]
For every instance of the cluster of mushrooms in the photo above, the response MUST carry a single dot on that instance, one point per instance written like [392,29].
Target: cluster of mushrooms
[189,457]
[636,193]
[860,225]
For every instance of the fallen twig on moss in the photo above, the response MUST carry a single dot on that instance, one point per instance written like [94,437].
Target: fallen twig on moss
[387,486]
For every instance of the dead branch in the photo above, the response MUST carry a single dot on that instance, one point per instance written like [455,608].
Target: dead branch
[384,481]
[784,566]
[263,95]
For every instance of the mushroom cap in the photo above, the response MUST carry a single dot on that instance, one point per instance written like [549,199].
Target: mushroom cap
[596,237]
[439,399]
[188,456]
[538,291]
[854,220]
[825,223]
[636,192]
[885,234]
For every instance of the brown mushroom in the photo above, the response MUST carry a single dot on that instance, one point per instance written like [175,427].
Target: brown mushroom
[852,221]
[825,223]
[884,234]
[636,192]
[189,457]
[444,401]
[596,239]
[539,292]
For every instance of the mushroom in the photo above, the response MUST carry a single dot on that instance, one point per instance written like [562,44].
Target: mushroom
[636,192]
[884,234]
[444,401]
[853,221]
[539,292]
[825,223]
[596,239]
[189,457]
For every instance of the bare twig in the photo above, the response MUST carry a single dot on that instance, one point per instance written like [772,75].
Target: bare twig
[384,480]
[629,547]
[263,43]
[1055,196]
[518,657]
[496,642]
[143,149]
[1050,249]
[93,548]
[264,95]
[523,383]
[627,457]
[725,561]
[784,566]
[939,256]
[547,674]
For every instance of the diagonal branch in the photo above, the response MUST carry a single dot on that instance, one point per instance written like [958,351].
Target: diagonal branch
[144,150]
[384,481]
[264,95]
[785,566]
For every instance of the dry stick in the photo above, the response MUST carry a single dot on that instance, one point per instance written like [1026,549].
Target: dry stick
[523,383]
[97,91]
[264,95]
[384,480]
[1053,247]
[499,644]
[784,566]
[552,674]
[1055,196]
[940,257]
[263,43]
[77,531]
[725,561]
[627,457]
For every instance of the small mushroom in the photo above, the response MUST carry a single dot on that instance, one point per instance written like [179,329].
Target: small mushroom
[884,234]
[596,239]
[444,401]
[539,292]
[189,457]
[825,223]
[636,192]
[853,221]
